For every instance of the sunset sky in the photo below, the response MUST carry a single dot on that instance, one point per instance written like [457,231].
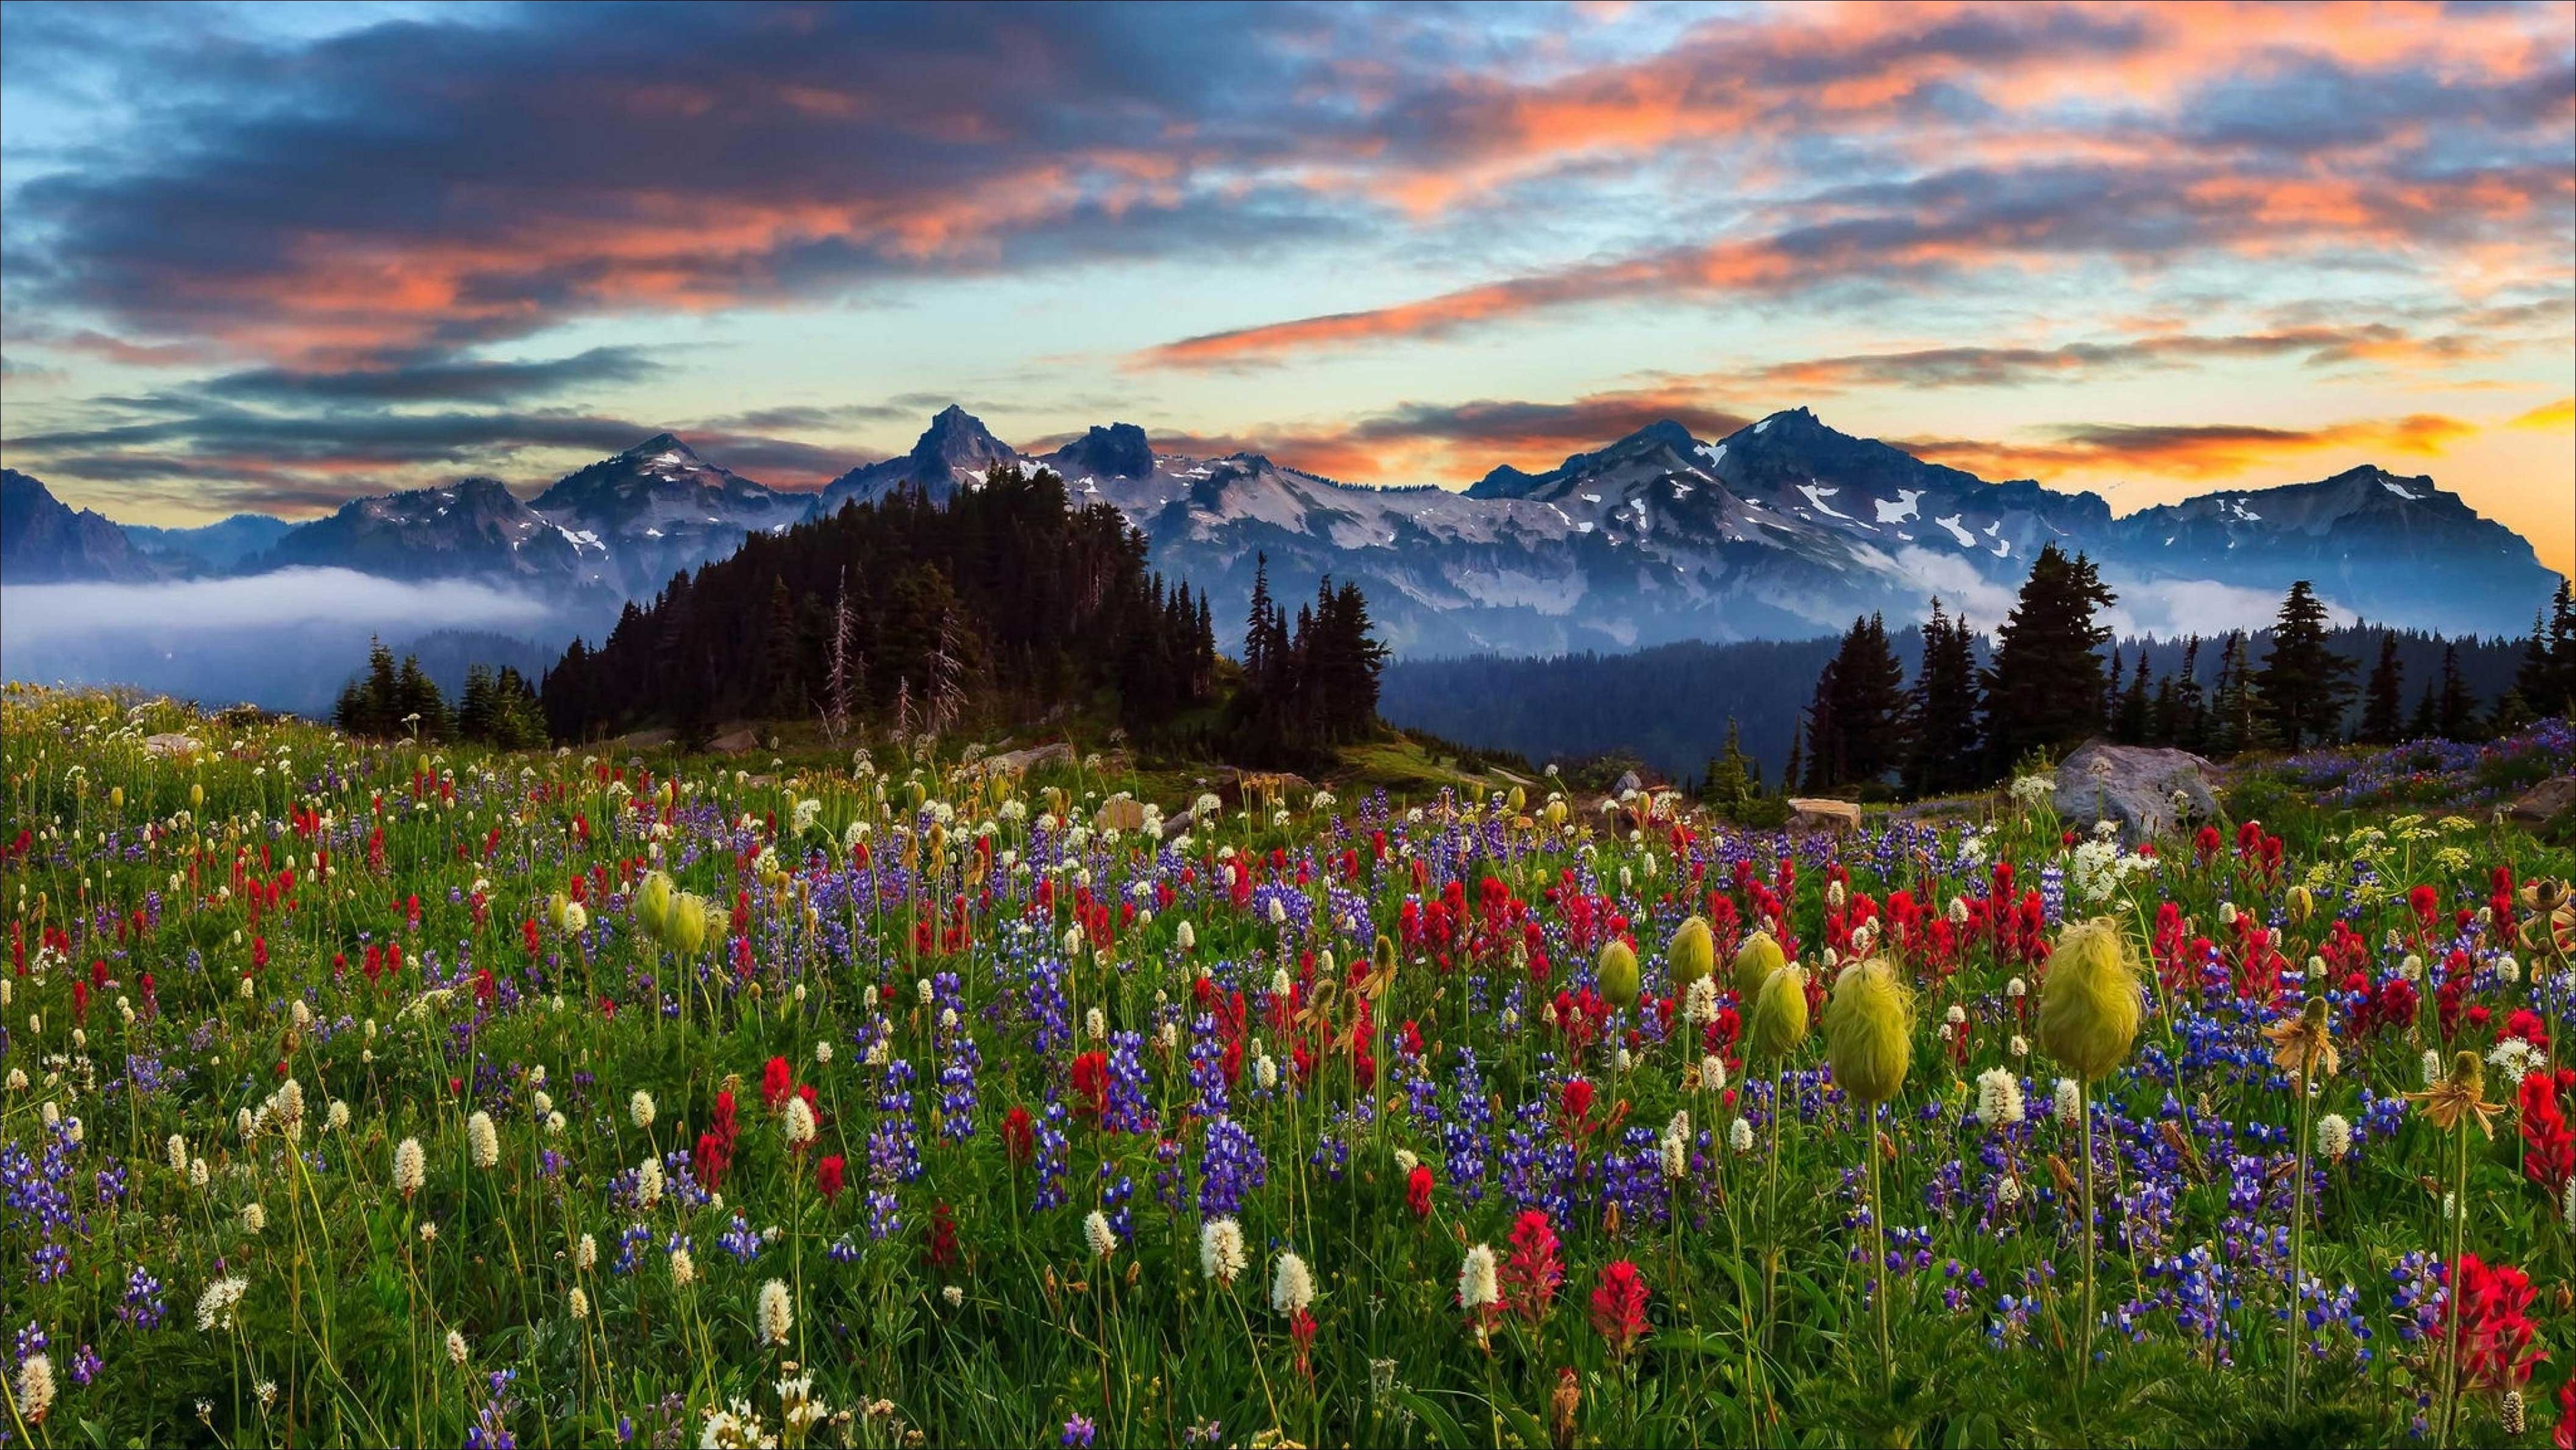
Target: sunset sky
[275,257]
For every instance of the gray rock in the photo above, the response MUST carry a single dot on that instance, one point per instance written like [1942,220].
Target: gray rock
[172,747]
[1021,762]
[2146,790]
[1627,783]
[2544,801]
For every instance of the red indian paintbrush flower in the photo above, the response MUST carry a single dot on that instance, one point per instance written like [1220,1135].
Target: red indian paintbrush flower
[1619,1307]
[827,1177]
[1532,1273]
[1417,1191]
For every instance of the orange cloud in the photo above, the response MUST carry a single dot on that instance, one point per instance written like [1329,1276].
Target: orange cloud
[2205,451]
[2548,417]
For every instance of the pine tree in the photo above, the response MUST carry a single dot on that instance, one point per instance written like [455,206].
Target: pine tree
[840,670]
[2426,722]
[2383,699]
[1730,783]
[2237,723]
[474,708]
[1789,770]
[2535,679]
[2131,727]
[2110,714]
[1824,734]
[2190,728]
[1944,710]
[2044,689]
[2456,714]
[2303,683]
[2561,696]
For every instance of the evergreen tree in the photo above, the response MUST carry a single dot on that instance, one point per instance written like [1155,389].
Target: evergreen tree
[2455,715]
[2237,723]
[2044,689]
[1789,770]
[2110,715]
[2304,684]
[1730,780]
[2560,698]
[1824,733]
[419,710]
[2535,679]
[2426,722]
[2132,723]
[2190,728]
[1944,710]
[2382,700]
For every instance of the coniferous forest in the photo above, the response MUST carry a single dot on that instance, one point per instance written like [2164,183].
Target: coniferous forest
[997,607]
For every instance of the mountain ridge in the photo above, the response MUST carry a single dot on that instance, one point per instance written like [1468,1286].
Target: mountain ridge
[1784,528]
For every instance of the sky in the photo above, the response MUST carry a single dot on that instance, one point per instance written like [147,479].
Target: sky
[275,257]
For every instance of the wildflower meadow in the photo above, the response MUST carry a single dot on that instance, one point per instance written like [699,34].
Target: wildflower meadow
[396,1094]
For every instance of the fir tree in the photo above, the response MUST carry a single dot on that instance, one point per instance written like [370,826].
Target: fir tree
[2383,699]
[2044,689]
[2455,715]
[1730,780]
[2131,725]
[1944,710]
[2304,684]
[2426,722]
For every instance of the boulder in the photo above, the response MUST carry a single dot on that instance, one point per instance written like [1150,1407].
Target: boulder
[1628,781]
[1124,814]
[735,742]
[172,747]
[2145,790]
[2543,802]
[1021,762]
[1839,818]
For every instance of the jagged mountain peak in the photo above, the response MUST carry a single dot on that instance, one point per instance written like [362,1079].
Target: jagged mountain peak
[956,436]
[1117,451]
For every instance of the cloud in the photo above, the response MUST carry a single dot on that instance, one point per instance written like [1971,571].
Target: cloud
[2173,608]
[434,378]
[2200,451]
[409,182]
[286,597]
[2003,367]
[2548,417]
[1903,236]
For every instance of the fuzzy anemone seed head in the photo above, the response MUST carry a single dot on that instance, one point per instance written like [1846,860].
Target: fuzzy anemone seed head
[684,924]
[1755,961]
[1618,970]
[1779,1020]
[1869,1031]
[555,905]
[1693,952]
[776,1317]
[653,902]
[2089,1006]
[1292,1285]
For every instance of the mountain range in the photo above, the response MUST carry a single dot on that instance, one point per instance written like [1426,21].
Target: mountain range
[1784,529]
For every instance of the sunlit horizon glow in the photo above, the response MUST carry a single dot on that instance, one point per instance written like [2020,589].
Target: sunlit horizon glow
[276,257]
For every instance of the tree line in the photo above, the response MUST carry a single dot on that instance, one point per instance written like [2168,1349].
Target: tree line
[999,606]
[2048,687]
[390,701]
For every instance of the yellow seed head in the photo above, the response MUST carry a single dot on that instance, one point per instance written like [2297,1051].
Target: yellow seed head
[1755,961]
[1779,1015]
[2303,904]
[1618,968]
[2089,1006]
[1693,953]
[684,924]
[1869,1031]
[653,901]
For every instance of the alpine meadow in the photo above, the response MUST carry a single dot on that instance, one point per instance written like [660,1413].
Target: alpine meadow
[1437,725]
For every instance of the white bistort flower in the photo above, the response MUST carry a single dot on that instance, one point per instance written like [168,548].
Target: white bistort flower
[1221,1254]
[1292,1285]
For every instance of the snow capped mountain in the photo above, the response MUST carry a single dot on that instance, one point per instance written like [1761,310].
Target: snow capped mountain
[953,452]
[1784,529]
[473,528]
[658,509]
